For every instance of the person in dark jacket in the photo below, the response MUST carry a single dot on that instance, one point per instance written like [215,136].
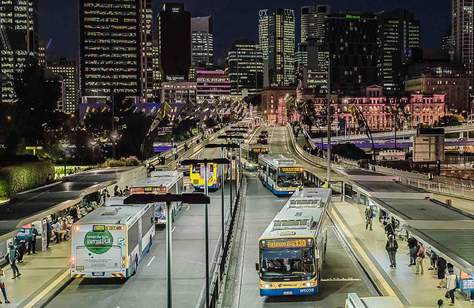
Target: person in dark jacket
[12,258]
[441,265]
[32,240]
[392,247]
[412,247]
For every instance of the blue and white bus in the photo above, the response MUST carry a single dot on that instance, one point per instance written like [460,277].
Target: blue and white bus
[281,175]
[161,182]
[292,248]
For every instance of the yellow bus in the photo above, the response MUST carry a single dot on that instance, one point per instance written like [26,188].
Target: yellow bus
[196,176]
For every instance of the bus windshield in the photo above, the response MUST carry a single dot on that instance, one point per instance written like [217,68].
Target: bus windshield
[287,263]
[289,179]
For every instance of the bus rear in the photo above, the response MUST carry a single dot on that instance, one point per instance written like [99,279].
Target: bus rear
[196,176]
[98,251]
[289,179]
[287,267]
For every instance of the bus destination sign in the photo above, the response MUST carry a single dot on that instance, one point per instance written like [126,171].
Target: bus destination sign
[286,243]
[291,169]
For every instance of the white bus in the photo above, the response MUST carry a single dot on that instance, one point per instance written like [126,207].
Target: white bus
[293,247]
[281,175]
[111,241]
[161,182]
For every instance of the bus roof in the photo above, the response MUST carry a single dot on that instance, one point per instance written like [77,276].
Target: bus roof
[116,215]
[301,214]
[278,160]
[159,179]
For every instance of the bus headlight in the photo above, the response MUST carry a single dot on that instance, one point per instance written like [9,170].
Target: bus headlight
[266,286]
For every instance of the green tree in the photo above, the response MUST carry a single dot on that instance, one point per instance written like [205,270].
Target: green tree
[37,96]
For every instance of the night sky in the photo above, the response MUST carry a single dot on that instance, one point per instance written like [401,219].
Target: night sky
[235,19]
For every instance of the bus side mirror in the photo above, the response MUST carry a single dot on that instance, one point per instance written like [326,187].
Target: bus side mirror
[257,267]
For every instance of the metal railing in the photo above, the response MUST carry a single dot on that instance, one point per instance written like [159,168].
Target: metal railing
[440,185]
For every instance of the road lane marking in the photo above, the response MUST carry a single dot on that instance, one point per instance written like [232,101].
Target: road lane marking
[341,279]
[149,262]
[172,230]
[48,289]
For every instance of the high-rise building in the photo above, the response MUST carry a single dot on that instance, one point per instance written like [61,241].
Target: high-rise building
[245,68]
[67,70]
[351,40]
[462,27]
[157,74]
[312,22]
[19,20]
[399,35]
[277,42]
[202,42]
[41,54]
[174,35]
[115,48]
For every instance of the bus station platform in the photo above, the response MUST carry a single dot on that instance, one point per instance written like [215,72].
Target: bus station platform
[34,205]
[445,229]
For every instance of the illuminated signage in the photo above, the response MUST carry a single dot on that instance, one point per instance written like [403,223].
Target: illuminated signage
[353,17]
[103,228]
[260,150]
[291,169]
[148,190]
[286,243]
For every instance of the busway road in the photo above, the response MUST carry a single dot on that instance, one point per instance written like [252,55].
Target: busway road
[148,287]
[340,274]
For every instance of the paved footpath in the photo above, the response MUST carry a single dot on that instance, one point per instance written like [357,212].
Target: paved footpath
[412,289]
[39,272]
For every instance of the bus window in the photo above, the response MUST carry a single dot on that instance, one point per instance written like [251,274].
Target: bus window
[289,179]
[272,173]
[148,219]
[133,237]
[293,262]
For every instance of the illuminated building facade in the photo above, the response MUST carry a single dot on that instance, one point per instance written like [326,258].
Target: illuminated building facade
[399,34]
[67,70]
[202,41]
[212,85]
[351,40]
[19,19]
[115,49]
[462,27]
[178,91]
[277,42]
[245,68]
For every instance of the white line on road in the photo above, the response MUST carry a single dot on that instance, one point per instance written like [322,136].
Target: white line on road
[172,230]
[148,265]
[341,279]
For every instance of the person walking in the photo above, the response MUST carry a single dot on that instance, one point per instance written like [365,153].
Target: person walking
[32,240]
[49,232]
[441,268]
[433,260]
[2,286]
[412,247]
[12,258]
[391,248]
[420,256]
[369,216]
[451,286]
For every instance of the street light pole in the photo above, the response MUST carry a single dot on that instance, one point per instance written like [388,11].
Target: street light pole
[206,162]
[193,198]
[328,170]
[169,221]
[206,227]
